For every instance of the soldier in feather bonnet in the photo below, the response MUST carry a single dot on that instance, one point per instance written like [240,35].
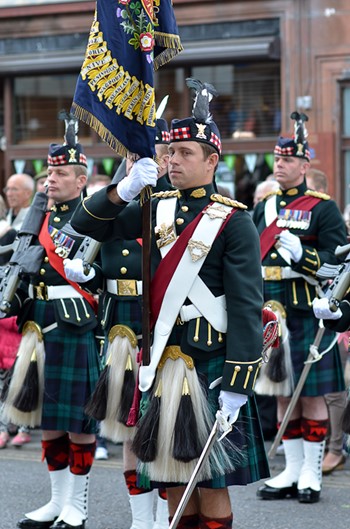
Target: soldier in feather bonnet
[206,321]
[299,230]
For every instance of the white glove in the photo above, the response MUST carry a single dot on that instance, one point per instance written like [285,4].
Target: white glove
[291,243]
[74,270]
[144,173]
[321,309]
[230,404]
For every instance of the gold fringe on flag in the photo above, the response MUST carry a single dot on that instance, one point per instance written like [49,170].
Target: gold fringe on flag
[173,46]
[102,131]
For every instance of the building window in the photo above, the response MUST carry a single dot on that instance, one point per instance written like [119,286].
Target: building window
[248,104]
[37,102]
[249,100]
[345,142]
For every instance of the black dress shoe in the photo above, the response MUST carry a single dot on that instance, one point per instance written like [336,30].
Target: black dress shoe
[64,525]
[27,523]
[270,493]
[308,495]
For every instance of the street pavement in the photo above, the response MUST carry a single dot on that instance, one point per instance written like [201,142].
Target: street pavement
[24,486]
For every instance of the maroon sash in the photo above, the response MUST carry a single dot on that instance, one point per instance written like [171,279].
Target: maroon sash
[168,265]
[57,262]
[268,236]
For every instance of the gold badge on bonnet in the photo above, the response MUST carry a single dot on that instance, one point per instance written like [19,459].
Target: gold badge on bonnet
[72,156]
[201,131]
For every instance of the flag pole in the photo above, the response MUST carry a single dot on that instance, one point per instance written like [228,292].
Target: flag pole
[146,274]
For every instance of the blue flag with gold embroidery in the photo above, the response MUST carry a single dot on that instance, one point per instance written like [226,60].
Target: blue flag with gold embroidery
[129,39]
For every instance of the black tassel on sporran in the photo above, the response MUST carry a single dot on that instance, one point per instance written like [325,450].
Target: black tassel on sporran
[276,366]
[186,445]
[145,442]
[27,399]
[7,382]
[96,407]
[127,394]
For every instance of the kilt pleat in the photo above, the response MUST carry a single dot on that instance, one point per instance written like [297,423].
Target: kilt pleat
[71,373]
[326,375]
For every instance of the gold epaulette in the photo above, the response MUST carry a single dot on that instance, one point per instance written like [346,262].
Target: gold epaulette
[227,201]
[167,194]
[316,194]
[271,193]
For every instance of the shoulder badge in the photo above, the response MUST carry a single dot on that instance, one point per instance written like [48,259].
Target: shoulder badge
[316,194]
[167,194]
[227,201]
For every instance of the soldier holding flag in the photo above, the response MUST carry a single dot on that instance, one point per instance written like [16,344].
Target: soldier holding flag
[120,311]
[206,303]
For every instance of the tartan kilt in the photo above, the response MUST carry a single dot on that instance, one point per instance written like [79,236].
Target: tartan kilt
[70,375]
[326,375]
[121,310]
[251,465]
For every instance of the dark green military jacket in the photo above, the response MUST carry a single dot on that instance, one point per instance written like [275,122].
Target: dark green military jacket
[121,261]
[70,315]
[232,267]
[321,230]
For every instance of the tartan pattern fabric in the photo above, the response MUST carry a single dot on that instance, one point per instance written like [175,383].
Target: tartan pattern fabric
[62,159]
[246,433]
[216,141]
[183,133]
[162,131]
[314,431]
[189,132]
[289,148]
[285,151]
[130,477]
[293,430]
[71,372]
[123,312]
[165,136]
[81,457]
[326,375]
[56,160]
[56,453]
[219,523]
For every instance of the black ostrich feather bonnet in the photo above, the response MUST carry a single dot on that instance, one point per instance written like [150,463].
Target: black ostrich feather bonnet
[296,146]
[70,152]
[200,127]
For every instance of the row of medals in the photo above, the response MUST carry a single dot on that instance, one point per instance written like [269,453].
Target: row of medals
[296,219]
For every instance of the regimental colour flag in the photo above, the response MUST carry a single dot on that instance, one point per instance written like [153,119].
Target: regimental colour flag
[129,40]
